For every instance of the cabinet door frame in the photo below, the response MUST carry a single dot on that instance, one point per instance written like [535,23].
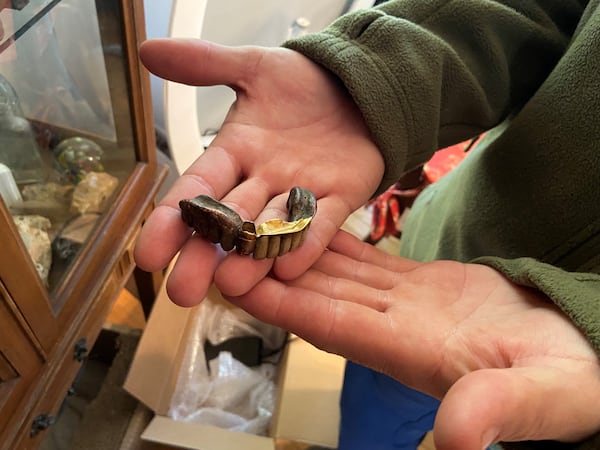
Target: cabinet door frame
[21,359]
[21,280]
[53,315]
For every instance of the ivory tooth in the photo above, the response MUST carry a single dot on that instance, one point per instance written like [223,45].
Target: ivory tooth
[286,244]
[273,248]
[296,239]
[246,239]
[261,247]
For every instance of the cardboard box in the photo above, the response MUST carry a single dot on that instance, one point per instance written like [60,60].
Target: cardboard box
[308,389]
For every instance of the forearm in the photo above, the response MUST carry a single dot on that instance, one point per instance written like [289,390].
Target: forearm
[429,74]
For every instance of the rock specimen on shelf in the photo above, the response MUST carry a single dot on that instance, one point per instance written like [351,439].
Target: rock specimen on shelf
[93,192]
[34,232]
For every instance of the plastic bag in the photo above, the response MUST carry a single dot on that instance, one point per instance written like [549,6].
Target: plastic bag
[225,392]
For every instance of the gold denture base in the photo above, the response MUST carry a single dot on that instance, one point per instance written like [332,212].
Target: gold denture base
[276,227]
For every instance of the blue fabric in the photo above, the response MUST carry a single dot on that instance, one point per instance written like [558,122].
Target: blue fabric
[379,413]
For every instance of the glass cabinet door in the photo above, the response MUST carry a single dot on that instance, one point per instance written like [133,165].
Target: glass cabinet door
[67,144]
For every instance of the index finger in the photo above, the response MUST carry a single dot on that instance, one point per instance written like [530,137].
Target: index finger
[164,233]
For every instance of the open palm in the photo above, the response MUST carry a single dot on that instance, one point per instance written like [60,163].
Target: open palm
[292,124]
[506,362]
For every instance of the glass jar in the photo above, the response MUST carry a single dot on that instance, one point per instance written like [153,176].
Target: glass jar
[18,148]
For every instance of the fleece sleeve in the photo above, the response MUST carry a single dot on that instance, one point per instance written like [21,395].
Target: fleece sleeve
[429,73]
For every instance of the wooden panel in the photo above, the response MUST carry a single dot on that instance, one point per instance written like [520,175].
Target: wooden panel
[15,267]
[49,390]
[8,377]
[140,92]
[7,371]
[20,362]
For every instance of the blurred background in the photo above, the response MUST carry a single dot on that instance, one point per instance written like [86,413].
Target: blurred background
[229,22]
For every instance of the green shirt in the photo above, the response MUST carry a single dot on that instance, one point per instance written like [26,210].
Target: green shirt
[427,74]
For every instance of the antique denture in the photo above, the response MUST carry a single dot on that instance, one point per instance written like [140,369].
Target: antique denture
[220,224]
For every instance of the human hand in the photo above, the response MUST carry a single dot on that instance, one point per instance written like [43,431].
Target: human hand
[507,364]
[292,124]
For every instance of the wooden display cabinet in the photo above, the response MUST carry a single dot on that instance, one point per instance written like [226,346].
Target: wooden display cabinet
[78,173]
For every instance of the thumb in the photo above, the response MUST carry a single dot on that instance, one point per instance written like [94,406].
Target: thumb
[196,62]
[517,404]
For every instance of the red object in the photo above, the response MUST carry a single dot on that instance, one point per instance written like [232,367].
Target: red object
[388,207]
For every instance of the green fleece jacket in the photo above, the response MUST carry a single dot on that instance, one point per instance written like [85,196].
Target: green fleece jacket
[430,73]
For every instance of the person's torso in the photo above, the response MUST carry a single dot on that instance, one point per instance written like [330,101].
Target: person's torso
[532,188]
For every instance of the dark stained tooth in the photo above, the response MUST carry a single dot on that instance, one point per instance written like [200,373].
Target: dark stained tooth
[214,232]
[228,240]
[205,214]
[300,204]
